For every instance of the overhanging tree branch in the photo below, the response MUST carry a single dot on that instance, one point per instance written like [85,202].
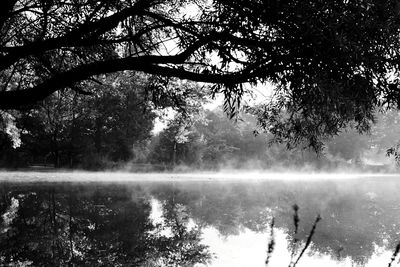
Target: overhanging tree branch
[319,54]
[147,64]
[84,35]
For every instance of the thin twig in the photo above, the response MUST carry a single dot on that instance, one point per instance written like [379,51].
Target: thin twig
[396,252]
[308,242]
[296,220]
[271,242]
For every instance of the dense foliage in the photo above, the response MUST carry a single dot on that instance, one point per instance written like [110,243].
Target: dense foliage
[331,62]
[75,131]
[114,131]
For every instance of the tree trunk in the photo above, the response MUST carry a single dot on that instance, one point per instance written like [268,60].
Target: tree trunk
[174,155]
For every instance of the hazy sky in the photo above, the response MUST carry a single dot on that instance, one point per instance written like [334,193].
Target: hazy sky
[260,93]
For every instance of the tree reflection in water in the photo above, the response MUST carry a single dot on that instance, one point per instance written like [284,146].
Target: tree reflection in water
[111,224]
[358,215]
[93,225]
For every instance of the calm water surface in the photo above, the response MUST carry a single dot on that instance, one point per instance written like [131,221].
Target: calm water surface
[198,222]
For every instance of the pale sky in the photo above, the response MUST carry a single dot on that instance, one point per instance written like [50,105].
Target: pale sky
[261,93]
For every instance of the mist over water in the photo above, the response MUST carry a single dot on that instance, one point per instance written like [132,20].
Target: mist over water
[228,175]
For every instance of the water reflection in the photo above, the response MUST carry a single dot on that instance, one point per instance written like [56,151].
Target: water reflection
[189,223]
[93,226]
[360,217]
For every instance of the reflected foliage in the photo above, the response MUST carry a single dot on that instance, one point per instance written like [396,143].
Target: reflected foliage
[182,247]
[160,224]
[104,226]
[355,216]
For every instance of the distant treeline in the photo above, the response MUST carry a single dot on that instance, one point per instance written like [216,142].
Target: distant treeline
[112,129]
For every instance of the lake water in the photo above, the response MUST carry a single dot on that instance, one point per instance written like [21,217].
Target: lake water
[196,220]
